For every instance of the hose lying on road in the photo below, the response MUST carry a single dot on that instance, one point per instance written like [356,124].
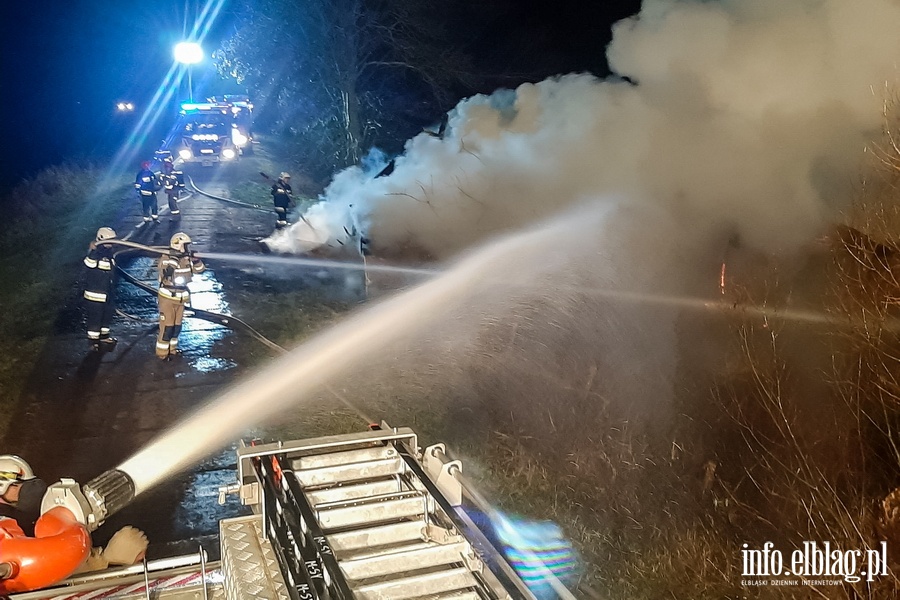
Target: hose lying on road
[223,199]
[224,320]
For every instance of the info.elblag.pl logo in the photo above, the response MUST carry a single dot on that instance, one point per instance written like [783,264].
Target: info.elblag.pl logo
[815,563]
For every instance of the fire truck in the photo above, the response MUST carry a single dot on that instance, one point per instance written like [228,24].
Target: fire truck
[365,516]
[211,132]
[241,110]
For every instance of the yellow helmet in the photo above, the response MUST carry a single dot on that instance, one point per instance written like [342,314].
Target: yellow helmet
[105,233]
[179,242]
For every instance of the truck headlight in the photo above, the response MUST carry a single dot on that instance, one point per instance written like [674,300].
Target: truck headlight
[228,153]
[184,154]
[238,138]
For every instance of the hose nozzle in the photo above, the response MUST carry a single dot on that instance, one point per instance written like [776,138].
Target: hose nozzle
[96,501]
[109,492]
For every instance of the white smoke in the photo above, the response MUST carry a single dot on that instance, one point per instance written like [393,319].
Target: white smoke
[729,119]
[748,116]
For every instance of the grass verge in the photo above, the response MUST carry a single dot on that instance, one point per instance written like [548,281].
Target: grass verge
[54,216]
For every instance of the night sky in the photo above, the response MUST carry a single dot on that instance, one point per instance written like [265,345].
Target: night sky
[66,64]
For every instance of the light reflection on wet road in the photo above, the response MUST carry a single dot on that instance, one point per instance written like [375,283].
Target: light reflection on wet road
[198,336]
[192,512]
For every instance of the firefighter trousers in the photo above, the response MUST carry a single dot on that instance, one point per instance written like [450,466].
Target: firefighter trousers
[172,197]
[99,316]
[149,206]
[281,209]
[171,313]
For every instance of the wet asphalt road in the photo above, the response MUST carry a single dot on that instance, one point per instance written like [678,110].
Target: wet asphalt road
[83,413]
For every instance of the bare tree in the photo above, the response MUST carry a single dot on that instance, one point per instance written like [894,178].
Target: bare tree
[342,74]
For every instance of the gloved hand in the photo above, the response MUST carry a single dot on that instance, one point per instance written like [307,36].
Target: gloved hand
[95,562]
[126,547]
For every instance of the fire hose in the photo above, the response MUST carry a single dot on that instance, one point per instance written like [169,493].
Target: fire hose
[60,544]
[213,317]
[62,539]
[69,512]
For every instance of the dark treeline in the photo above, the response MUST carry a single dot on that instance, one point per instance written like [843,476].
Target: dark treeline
[340,76]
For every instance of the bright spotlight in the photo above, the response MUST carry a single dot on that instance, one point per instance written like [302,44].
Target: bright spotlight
[238,138]
[228,153]
[188,53]
[184,154]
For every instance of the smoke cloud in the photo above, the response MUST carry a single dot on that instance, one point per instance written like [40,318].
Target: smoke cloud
[727,120]
[742,116]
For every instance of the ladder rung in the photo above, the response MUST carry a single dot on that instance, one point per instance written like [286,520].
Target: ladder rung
[377,536]
[422,556]
[351,472]
[354,491]
[374,512]
[452,596]
[417,585]
[332,459]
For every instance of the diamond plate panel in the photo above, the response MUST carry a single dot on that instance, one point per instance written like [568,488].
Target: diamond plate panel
[248,561]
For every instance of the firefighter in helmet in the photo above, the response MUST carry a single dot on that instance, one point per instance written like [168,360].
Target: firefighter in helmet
[146,185]
[21,496]
[282,195]
[20,492]
[99,289]
[171,184]
[175,271]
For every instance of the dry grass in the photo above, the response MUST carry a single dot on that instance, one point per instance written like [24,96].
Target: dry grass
[787,435]
[42,243]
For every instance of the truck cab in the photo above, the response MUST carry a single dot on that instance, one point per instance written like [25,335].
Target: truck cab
[204,134]
[241,110]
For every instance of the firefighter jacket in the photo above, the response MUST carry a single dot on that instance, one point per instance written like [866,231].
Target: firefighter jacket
[281,193]
[170,183]
[175,271]
[99,278]
[179,177]
[146,183]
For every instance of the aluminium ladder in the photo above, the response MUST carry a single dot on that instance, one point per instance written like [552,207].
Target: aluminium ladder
[358,517]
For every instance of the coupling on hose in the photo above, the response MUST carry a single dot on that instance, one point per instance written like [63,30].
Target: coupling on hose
[93,503]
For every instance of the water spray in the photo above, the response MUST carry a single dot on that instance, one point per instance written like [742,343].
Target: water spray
[314,262]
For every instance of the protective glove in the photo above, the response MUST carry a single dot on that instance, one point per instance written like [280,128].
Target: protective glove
[126,547]
[94,562]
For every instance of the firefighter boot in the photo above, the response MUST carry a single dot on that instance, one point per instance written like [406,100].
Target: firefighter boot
[108,344]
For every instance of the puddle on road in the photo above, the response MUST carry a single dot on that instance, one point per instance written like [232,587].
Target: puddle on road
[198,337]
[197,513]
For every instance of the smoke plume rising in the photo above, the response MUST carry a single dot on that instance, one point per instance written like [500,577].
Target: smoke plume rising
[728,120]
[747,116]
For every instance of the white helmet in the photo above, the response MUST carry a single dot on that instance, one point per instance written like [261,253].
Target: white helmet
[179,242]
[284,175]
[105,233]
[13,469]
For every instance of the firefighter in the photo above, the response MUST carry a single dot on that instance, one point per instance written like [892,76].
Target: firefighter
[175,271]
[171,185]
[20,492]
[21,496]
[282,195]
[99,289]
[147,185]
